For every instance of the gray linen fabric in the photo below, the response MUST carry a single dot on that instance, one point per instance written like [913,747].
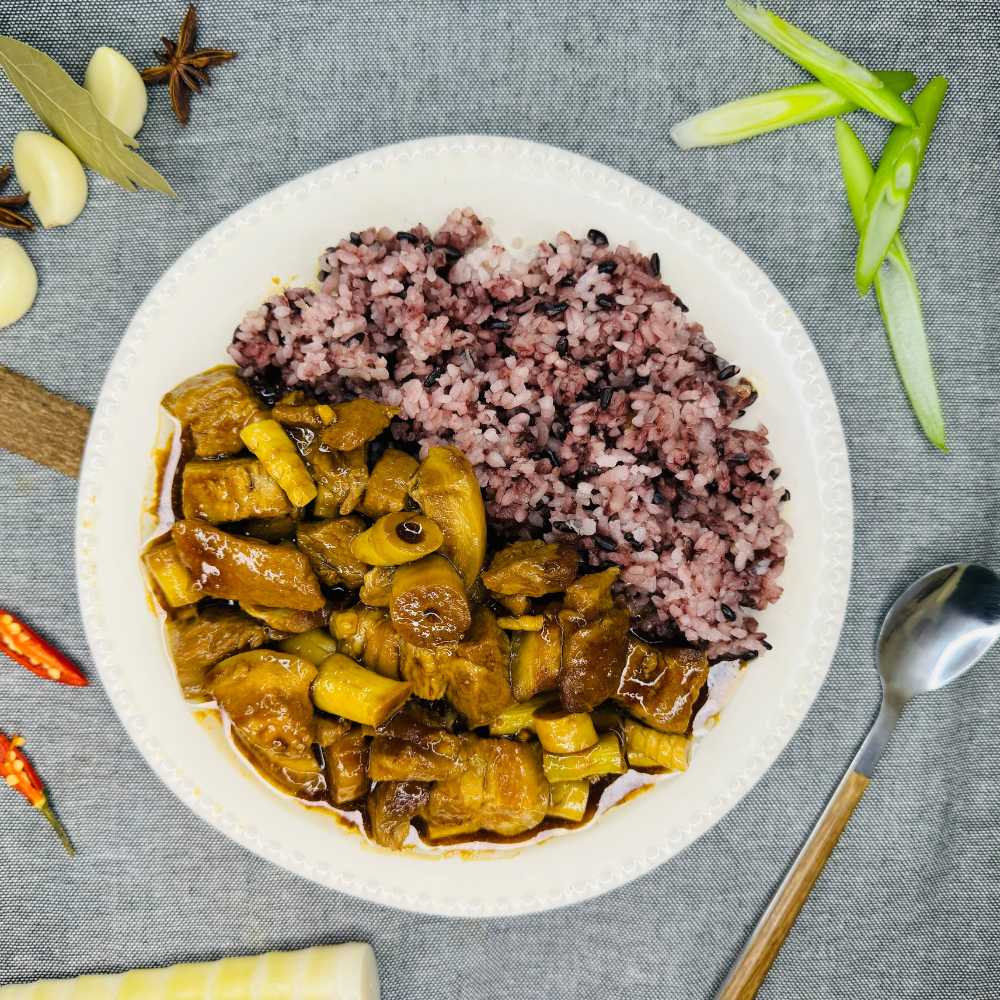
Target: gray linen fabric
[909,906]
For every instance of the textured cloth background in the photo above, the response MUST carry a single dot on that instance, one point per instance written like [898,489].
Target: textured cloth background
[909,905]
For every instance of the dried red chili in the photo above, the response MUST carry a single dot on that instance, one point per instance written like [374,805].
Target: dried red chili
[23,645]
[16,771]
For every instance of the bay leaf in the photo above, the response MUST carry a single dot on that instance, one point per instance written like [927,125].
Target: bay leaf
[69,111]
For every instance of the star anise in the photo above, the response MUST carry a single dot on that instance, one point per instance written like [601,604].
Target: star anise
[9,219]
[184,67]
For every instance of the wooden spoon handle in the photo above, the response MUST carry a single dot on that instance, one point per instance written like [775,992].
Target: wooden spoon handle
[40,425]
[751,967]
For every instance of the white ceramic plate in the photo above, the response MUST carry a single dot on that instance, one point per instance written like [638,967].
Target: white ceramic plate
[526,192]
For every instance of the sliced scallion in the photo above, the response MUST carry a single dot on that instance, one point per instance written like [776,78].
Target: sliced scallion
[890,191]
[857,84]
[773,110]
[897,294]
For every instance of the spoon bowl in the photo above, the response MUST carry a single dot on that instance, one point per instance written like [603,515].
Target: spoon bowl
[938,628]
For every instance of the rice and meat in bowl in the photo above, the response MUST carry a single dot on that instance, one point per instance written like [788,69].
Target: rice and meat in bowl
[499,522]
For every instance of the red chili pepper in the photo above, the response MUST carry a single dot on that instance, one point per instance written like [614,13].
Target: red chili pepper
[17,772]
[25,646]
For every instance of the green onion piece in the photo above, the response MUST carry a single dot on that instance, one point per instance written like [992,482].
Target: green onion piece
[831,67]
[889,193]
[898,296]
[775,109]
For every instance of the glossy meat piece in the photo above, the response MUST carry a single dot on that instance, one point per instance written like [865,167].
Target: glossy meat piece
[473,674]
[425,669]
[479,671]
[502,789]
[356,423]
[244,569]
[367,635]
[376,591]
[537,659]
[231,490]
[328,546]
[591,594]
[593,657]
[215,406]
[391,806]
[389,484]
[532,569]
[347,766]
[341,478]
[400,760]
[661,684]
[266,695]
[299,774]
[296,409]
[448,492]
[287,621]
[202,639]
[428,604]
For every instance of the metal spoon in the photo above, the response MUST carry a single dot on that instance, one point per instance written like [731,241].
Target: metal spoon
[936,630]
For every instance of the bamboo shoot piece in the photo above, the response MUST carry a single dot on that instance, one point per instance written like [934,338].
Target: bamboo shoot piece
[518,718]
[568,800]
[604,757]
[643,744]
[396,539]
[564,732]
[172,576]
[315,646]
[334,972]
[345,688]
[269,442]
[522,623]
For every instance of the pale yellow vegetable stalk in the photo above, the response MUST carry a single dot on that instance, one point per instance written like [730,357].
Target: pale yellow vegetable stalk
[337,972]
[269,442]
[347,689]
[172,576]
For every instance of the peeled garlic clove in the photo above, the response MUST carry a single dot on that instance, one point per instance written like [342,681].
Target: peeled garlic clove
[52,176]
[18,282]
[117,89]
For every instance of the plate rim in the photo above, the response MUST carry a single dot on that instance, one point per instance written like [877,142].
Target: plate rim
[662,211]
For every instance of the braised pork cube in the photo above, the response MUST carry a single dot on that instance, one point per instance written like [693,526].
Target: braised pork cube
[412,746]
[536,659]
[532,569]
[391,806]
[296,409]
[472,674]
[388,487]
[341,478]
[595,636]
[328,546]
[367,635]
[593,657]
[503,789]
[661,684]
[245,569]
[347,766]
[479,671]
[301,774]
[232,490]
[199,640]
[215,406]
[288,621]
[266,695]
[355,423]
